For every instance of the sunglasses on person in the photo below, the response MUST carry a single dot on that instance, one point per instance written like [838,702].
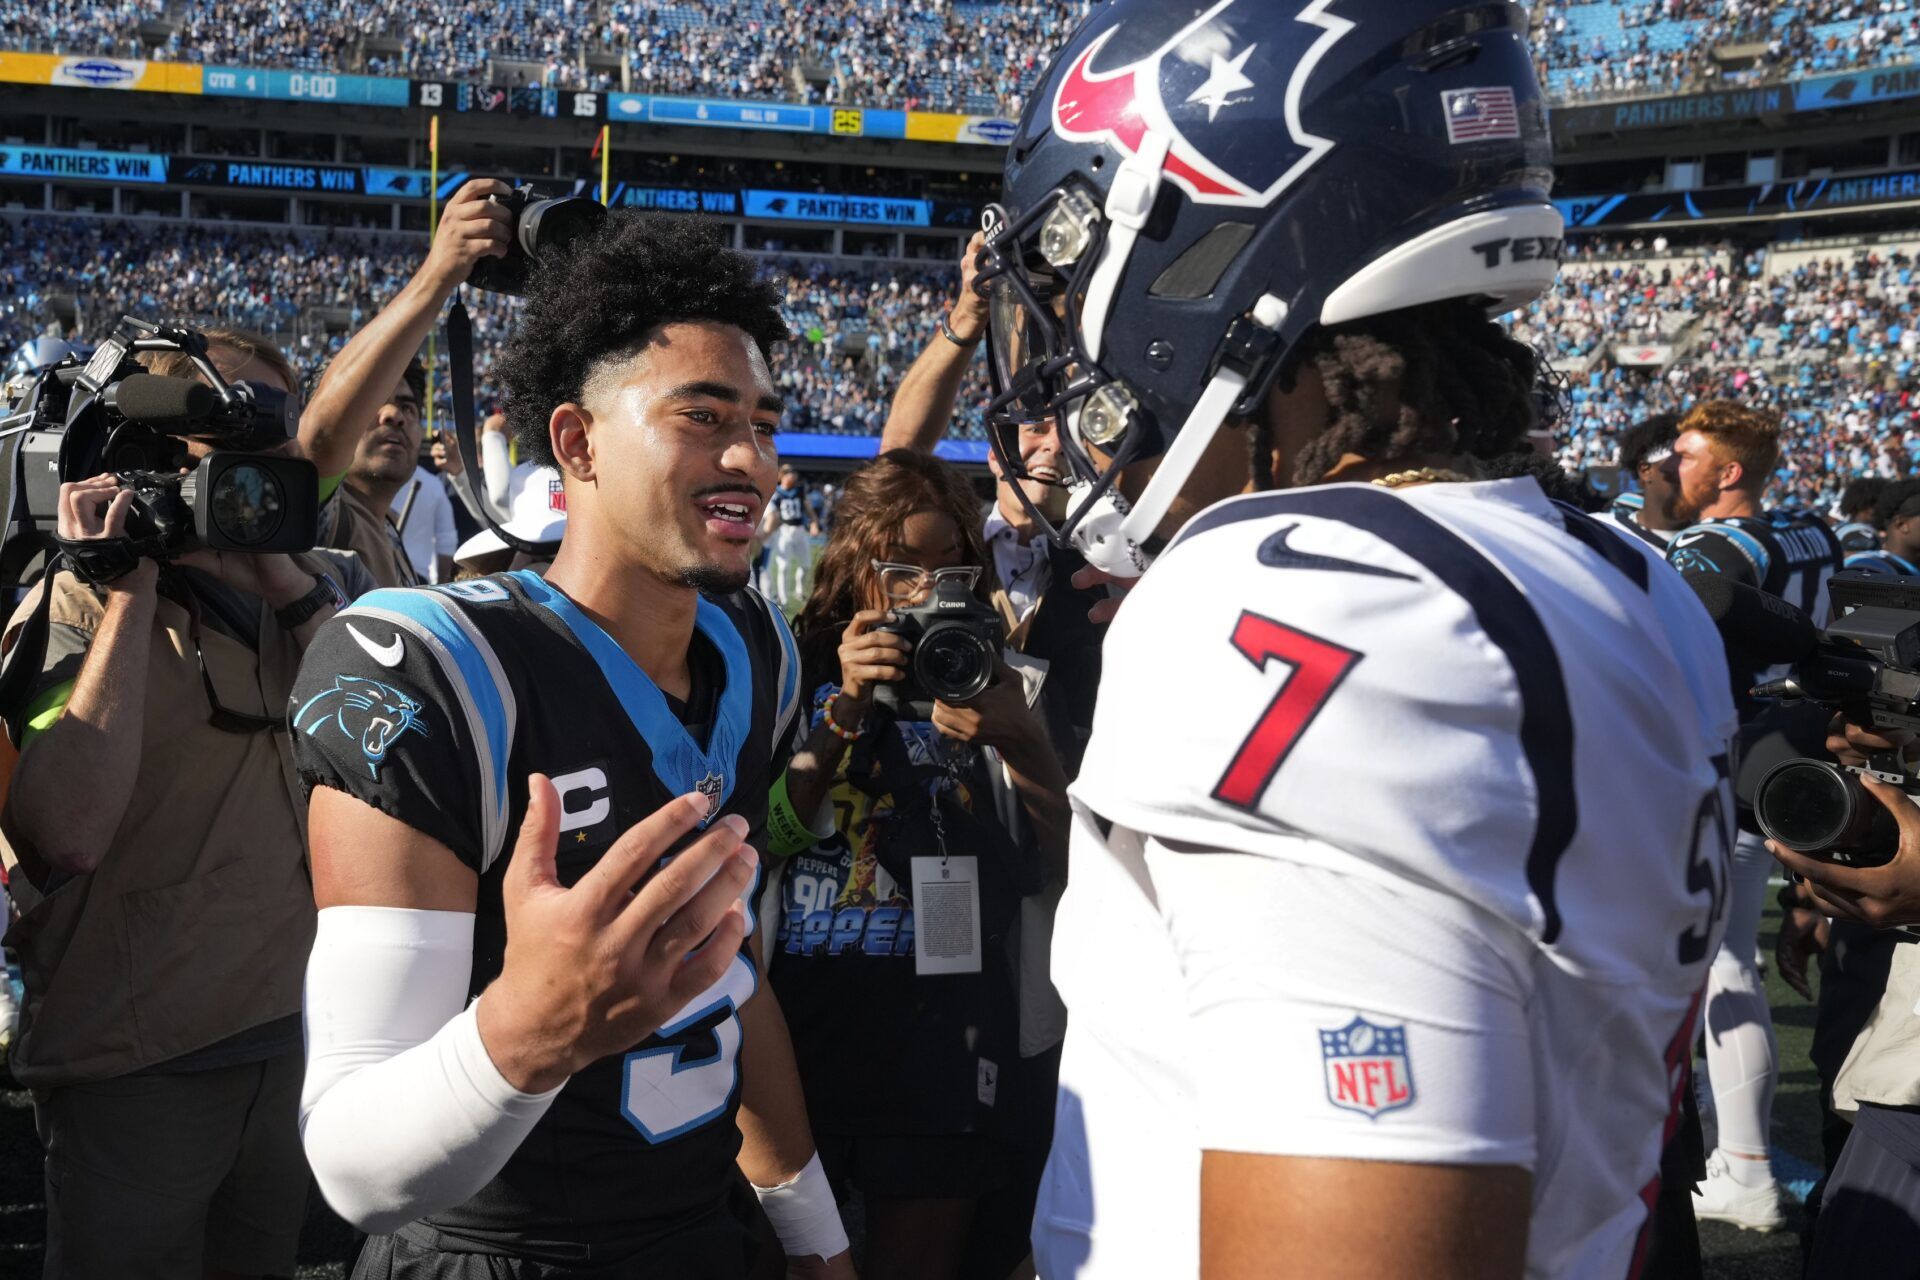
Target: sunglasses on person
[904,582]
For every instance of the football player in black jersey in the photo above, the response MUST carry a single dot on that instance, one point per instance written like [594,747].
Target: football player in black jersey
[1859,528]
[1720,466]
[1644,449]
[546,1056]
[1896,516]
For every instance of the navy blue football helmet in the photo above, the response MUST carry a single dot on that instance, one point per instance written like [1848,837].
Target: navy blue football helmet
[1194,186]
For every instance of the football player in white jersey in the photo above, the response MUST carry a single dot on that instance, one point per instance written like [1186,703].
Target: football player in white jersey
[1401,845]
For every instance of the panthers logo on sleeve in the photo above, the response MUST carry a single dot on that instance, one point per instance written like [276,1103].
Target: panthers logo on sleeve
[371,714]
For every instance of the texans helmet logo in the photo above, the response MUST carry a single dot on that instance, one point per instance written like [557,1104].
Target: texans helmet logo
[1204,72]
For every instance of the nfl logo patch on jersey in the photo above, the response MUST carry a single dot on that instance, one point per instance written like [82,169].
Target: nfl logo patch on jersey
[1367,1067]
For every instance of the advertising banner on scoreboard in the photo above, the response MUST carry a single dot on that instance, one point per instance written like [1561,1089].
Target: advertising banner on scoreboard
[126,73]
[291,176]
[1847,89]
[306,86]
[807,206]
[61,163]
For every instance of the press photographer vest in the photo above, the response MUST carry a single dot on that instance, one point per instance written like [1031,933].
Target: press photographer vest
[347,523]
[197,923]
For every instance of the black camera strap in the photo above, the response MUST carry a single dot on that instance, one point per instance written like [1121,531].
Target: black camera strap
[466,433]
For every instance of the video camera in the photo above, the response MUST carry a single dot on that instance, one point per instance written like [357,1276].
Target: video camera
[1867,665]
[77,420]
[956,641]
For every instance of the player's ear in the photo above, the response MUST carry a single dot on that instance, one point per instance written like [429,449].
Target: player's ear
[570,432]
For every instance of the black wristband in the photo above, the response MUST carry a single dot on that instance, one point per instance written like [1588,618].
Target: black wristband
[296,614]
[946,331]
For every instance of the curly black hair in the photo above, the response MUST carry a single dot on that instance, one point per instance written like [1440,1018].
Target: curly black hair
[598,297]
[1555,480]
[1655,431]
[1438,378]
[1862,495]
[1896,495]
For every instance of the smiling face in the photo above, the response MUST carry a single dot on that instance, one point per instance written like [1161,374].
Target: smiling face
[1040,456]
[671,457]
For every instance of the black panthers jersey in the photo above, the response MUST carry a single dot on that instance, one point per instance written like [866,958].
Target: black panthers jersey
[434,706]
[1789,556]
[1881,562]
[1856,536]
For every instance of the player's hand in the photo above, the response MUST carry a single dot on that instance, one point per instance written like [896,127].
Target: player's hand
[1804,932]
[97,508]
[999,718]
[1879,897]
[969,314]
[867,658]
[1087,577]
[595,969]
[471,227]
[814,1267]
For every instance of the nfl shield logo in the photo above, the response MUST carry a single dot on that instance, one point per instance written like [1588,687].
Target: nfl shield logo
[1367,1067]
[709,787]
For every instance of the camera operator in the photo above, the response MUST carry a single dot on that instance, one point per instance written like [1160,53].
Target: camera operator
[910,1048]
[1868,1219]
[1719,468]
[166,906]
[368,389]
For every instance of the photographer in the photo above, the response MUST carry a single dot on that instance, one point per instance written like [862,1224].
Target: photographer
[369,389]
[910,1043]
[166,908]
[1869,1208]
[1045,607]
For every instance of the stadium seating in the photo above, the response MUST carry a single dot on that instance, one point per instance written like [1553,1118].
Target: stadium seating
[1824,336]
[857,326]
[1633,47]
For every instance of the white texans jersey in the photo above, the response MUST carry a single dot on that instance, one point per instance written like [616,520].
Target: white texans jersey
[1403,835]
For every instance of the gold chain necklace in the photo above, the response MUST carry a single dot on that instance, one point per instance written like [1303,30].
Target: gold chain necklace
[1424,475]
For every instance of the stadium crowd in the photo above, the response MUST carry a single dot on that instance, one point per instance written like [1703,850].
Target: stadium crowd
[856,325]
[1624,47]
[924,54]
[1830,344]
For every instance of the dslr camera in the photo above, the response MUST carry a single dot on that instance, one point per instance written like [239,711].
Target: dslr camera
[539,222]
[956,642]
[77,420]
[1867,665]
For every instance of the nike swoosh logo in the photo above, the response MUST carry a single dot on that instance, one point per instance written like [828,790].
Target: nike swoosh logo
[387,655]
[1276,554]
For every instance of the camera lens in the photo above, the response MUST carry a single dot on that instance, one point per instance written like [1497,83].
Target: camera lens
[952,663]
[1811,806]
[247,504]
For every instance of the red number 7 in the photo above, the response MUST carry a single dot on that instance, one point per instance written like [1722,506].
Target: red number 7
[1318,668]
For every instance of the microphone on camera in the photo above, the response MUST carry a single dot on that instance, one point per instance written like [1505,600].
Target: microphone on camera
[1759,626]
[160,401]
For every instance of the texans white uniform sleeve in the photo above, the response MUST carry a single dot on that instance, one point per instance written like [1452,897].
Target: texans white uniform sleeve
[1421,857]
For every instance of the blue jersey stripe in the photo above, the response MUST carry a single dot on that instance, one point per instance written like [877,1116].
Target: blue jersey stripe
[477,679]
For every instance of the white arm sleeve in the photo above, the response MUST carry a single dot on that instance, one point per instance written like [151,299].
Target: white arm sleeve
[403,1113]
[496,466]
[1333,1016]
